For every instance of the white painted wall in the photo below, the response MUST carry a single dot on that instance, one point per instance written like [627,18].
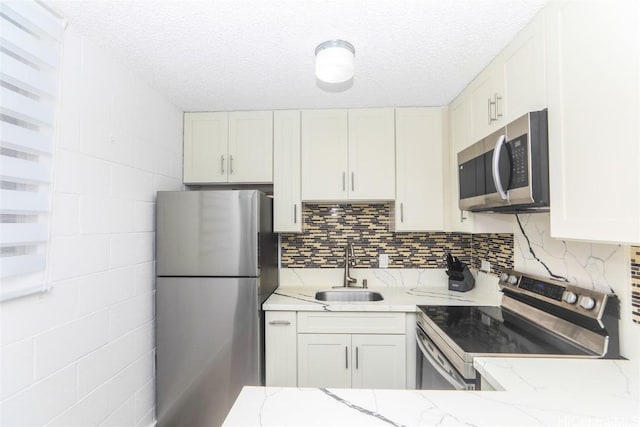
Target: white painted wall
[592,265]
[83,353]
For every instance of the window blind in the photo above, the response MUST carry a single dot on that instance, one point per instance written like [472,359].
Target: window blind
[30,52]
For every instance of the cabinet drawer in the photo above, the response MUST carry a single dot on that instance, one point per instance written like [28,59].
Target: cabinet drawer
[349,322]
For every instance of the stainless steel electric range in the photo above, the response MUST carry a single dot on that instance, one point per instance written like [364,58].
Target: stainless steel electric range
[538,317]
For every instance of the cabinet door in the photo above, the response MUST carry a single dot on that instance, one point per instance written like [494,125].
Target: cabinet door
[372,154]
[419,169]
[287,206]
[251,146]
[594,106]
[205,148]
[486,88]
[324,360]
[378,361]
[459,139]
[281,349]
[324,155]
[525,80]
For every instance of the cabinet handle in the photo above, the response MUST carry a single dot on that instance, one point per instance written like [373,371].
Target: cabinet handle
[401,212]
[498,99]
[356,357]
[295,213]
[353,180]
[222,165]
[343,182]
[231,164]
[346,357]
[462,217]
[489,109]
[280,322]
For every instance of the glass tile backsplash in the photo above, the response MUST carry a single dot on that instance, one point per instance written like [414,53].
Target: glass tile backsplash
[329,227]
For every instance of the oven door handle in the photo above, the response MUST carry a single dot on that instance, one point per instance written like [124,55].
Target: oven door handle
[442,370]
[496,167]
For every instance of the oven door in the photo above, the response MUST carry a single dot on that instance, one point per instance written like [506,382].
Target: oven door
[433,370]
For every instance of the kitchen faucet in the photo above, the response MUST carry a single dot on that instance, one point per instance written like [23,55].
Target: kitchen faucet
[348,252]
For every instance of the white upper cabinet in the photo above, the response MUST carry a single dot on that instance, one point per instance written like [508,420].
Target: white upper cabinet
[487,101]
[525,85]
[324,154]
[225,147]
[459,139]
[251,146]
[205,147]
[594,110]
[419,169]
[372,154]
[287,202]
[348,155]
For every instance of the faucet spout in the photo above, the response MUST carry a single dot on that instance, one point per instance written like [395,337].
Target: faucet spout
[348,252]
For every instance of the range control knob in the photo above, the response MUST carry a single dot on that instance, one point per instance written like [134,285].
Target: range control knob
[587,302]
[512,279]
[504,277]
[570,297]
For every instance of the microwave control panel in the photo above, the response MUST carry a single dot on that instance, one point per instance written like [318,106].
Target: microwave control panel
[519,162]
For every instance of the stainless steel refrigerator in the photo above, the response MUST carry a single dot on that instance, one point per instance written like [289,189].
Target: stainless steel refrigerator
[216,264]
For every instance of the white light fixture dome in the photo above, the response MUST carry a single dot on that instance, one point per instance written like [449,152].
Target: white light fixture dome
[335,61]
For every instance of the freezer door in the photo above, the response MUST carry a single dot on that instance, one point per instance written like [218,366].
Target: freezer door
[208,233]
[208,347]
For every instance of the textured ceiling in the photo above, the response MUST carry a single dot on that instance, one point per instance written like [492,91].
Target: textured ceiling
[259,54]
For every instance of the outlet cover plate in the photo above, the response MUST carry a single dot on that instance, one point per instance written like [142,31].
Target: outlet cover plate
[383,261]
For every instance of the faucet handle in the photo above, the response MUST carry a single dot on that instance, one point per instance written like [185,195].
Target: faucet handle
[352,254]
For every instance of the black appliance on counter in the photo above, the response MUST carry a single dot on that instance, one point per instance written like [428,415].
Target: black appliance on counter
[460,278]
[538,317]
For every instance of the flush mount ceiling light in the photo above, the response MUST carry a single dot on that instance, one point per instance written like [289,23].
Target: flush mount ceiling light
[334,61]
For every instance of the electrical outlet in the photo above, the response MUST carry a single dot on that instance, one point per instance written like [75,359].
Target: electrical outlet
[485,266]
[383,261]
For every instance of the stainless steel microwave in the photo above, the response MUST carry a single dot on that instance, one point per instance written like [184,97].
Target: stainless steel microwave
[507,171]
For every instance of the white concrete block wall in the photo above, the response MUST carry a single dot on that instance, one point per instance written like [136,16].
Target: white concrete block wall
[83,354]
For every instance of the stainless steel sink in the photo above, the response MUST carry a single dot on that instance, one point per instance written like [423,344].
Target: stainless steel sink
[348,295]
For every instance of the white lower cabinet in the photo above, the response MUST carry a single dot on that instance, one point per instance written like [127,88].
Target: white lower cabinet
[357,361]
[339,349]
[281,348]
[324,360]
[379,361]
[360,350]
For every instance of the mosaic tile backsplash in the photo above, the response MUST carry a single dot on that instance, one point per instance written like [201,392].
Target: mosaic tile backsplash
[329,227]
[635,283]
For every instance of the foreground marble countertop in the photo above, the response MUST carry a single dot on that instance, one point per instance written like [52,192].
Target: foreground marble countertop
[592,393]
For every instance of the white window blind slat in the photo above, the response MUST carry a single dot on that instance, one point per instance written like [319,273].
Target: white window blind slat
[23,171]
[35,50]
[22,264]
[25,140]
[26,109]
[30,38]
[23,202]
[18,288]
[23,234]
[32,16]
[27,78]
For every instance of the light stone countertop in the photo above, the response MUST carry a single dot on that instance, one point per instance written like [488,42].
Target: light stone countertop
[589,393]
[534,392]
[402,291]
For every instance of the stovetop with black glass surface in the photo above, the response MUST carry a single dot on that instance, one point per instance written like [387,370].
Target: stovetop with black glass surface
[495,330]
[538,317]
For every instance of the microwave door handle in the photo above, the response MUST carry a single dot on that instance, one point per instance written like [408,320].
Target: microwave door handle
[496,167]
